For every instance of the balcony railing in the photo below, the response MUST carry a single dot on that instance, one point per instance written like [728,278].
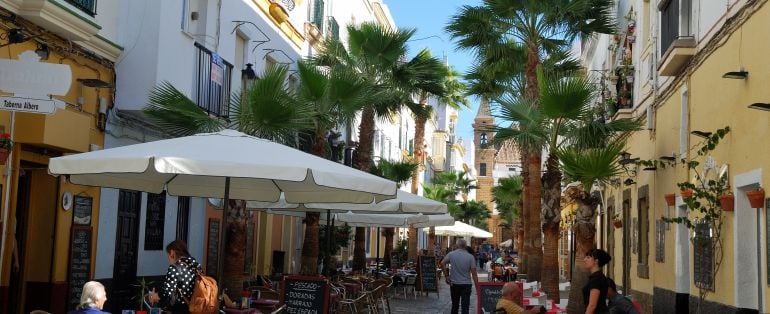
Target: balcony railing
[318,14]
[87,6]
[334,28]
[675,22]
[212,82]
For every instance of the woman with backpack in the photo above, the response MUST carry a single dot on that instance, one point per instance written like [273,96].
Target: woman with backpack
[180,279]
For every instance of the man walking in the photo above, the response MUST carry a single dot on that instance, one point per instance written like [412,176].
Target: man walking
[459,279]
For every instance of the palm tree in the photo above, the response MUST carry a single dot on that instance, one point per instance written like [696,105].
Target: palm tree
[398,172]
[507,196]
[541,27]
[373,53]
[473,213]
[564,110]
[587,166]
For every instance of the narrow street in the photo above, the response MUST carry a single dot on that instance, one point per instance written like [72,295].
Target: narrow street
[432,303]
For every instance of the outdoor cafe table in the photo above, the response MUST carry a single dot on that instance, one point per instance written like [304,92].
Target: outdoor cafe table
[265,304]
[242,311]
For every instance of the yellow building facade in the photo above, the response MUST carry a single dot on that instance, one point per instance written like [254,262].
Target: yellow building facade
[49,225]
[655,261]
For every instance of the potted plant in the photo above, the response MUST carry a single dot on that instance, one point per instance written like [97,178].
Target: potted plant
[6,144]
[616,221]
[727,202]
[144,288]
[670,199]
[756,197]
[686,193]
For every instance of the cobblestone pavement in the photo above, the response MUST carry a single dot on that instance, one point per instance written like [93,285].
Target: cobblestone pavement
[431,304]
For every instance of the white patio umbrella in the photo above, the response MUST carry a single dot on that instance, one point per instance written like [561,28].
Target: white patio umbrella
[506,243]
[226,164]
[404,202]
[462,229]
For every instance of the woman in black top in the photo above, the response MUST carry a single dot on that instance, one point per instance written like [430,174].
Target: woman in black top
[180,278]
[595,291]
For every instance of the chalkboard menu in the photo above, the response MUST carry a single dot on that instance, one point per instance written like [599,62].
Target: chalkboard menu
[212,251]
[303,294]
[80,261]
[156,216]
[81,212]
[488,293]
[427,273]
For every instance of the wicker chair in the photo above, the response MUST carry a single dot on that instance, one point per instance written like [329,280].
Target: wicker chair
[357,305]
[279,310]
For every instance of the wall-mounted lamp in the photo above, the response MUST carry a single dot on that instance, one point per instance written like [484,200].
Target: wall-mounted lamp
[248,72]
[629,181]
[702,134]
[42,51]
[96,83]
[760,106]
[15,36]
[738,75]
[650,168]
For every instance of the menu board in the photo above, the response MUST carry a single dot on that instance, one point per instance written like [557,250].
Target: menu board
[302,294]
[212,251]
[427,273]
[156,216]
[488,293]
[81,212]
[80,261]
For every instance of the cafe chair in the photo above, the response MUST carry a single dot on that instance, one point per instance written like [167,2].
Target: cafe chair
[411,284]
[279,310]
[357,305]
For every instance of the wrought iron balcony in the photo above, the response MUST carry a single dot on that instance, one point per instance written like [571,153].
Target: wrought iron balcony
[87,6]
[288,4]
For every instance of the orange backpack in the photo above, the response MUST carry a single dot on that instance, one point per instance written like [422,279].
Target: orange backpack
[204,299]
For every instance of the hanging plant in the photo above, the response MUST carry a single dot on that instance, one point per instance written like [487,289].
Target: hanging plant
[727,202]
[756,197]
[670,199]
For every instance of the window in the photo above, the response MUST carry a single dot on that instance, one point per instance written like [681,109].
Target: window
[674,22]
[334,29]
[660,241]
[212,82]
[185,23]
[704,256]
[318,14]
[183,218]
[87,6]
[155,221]
[482,169]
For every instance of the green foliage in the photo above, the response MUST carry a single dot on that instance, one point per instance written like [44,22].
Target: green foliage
[143,287]
[589,165]
[340,238]
[398,172]
[471,212]
[507,194]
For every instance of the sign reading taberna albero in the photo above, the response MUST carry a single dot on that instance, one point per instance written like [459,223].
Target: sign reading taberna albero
[32,82]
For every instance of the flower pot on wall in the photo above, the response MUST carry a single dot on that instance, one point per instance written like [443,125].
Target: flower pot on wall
[686,193]
[727,202]
[617,223]
[756,197]
[670,199]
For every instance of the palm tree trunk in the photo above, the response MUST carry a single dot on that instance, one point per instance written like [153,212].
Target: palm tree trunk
[388,233]
[359,252]
[235,254]
[551,217]
[585,239]
[310,245]
[533,60]
[419,151]
[412,244]
[431,241]
[524,248]
[362,162]
[534,242]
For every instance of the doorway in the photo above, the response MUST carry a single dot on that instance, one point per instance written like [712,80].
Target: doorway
[748,243]
[126,250]
[682,254]
[278,261]
[627,242]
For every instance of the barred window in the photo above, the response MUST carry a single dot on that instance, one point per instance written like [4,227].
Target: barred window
[704,256]
[660,241]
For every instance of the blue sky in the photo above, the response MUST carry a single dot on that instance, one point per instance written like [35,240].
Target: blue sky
[429,18]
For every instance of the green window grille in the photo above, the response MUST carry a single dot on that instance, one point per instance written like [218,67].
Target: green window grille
[87,6]
[318,14]
[334,28]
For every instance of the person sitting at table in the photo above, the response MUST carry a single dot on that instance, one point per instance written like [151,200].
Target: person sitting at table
[618,304]
[509,301]
[497,272]
[91,299]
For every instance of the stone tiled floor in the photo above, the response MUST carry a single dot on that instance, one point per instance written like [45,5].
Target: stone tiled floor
[431,304]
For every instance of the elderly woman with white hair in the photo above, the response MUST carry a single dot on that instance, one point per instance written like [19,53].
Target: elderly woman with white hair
[92,299]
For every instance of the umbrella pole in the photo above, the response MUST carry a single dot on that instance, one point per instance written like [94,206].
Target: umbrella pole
[223,235]
[378,253]
[329,234]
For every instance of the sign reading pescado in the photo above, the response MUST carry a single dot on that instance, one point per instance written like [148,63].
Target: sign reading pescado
[307,295]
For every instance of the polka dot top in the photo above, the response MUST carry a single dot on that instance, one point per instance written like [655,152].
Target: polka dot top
[180,276]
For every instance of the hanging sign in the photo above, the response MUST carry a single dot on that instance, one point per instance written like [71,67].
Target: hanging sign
[28,76]
[217,69]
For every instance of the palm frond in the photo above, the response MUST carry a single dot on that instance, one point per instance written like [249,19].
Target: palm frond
[591,165]
[177,114]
